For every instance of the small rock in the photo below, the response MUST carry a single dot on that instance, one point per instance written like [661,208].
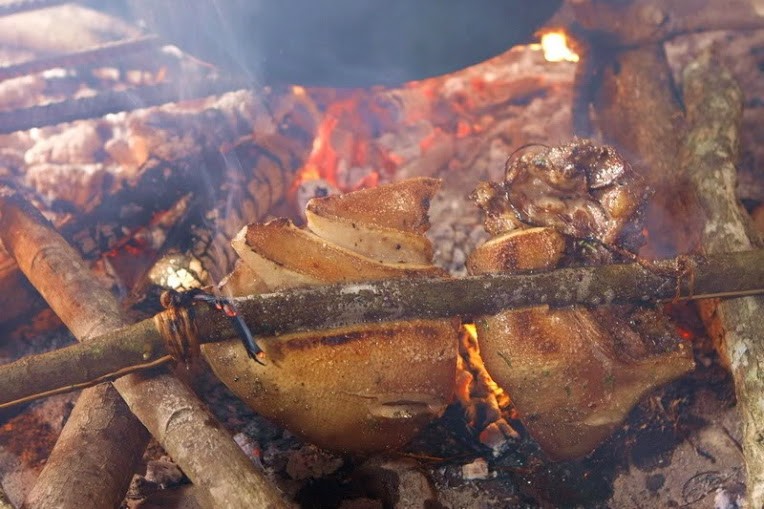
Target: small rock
[727,500]
[310,462]
[477,470]
[397,483]
[249,446]
[163,472]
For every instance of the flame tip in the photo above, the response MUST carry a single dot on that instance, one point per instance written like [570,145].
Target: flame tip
[554,44]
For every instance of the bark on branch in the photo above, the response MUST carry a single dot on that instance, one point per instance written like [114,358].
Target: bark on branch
[645,22]
[714,104]
[102,442]
[200,445]
[340,305]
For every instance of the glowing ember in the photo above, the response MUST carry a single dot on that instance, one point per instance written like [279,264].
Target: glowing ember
[341,143]
[556,49]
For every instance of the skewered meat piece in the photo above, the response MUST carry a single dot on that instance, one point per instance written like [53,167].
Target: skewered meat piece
[356,389]
[573,373]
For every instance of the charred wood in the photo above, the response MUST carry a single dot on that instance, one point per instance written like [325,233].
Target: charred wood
[112,102]
[174,178]
[17,6]
[111,51]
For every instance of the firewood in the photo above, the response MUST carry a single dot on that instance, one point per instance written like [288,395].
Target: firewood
[101,430]
[710,150]
[210,155]
[637,112]
[333,306]
[112,102]
[641,23]
[200,446]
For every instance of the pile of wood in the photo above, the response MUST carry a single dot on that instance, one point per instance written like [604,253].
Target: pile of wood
[126,189]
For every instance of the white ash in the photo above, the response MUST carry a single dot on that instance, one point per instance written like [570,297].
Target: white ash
[478,469]
[77,144]
[725,499]
[500,437]
[21,92]
[456,229]
[85,183]
[249,446]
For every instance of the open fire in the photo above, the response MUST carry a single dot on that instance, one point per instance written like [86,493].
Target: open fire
[154,196]
[556,48]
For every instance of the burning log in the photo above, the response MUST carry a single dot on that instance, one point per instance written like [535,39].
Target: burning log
[166,173]
[211,459]
[109,51]
[709,153]
[113,102]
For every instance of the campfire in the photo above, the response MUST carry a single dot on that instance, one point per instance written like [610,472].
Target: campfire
[525,282]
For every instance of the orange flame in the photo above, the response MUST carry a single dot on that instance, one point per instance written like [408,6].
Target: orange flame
[335,145]
[555,47]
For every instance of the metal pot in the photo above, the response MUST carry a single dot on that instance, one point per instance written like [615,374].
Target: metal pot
[343,43]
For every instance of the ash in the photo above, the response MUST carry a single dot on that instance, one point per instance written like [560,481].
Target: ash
[678,447]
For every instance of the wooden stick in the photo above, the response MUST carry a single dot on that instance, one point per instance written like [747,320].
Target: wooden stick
[714,105]
[168,409]
[645,22]
[340,305]
[637,112]
[102,442]
[109,52]
[111,101]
